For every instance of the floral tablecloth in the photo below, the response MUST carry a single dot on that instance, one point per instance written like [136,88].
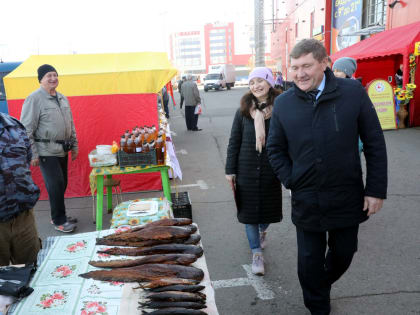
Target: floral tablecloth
[120,218]
[59,290]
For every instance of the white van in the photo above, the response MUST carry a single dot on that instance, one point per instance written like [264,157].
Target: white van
[219,77]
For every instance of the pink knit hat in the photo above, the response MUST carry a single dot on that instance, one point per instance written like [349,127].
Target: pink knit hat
[263,73]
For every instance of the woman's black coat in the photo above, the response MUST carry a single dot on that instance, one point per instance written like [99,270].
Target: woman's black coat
[259,194]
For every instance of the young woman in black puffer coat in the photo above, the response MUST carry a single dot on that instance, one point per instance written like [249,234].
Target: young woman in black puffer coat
[258,191]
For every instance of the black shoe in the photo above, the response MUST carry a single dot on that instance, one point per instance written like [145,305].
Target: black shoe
[196,129]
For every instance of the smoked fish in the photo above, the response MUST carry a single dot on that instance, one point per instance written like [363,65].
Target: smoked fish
[177,296]
[162,304]
[166,282]
[156,233]
[157,249]
[162,222]
[192,240]
[179,287]
[148,272]
[175,311]
[171,259]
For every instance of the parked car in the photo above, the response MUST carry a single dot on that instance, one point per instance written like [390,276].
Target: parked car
[219,77]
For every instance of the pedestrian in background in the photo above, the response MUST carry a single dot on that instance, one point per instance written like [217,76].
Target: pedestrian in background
[258,191]
[47,116]
[345,68]
[279,81]
[313,149]
[165,104]
[180,82]
[19,241]
[192,99]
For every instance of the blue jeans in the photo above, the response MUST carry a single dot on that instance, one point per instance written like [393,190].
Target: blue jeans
[253,234]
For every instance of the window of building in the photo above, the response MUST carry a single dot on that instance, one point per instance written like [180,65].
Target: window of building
[376,12]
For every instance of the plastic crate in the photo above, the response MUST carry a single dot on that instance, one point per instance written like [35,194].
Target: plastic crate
[181,205]
[135,159]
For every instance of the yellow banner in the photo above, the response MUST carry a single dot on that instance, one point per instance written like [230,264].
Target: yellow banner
[382,97]
[94,74]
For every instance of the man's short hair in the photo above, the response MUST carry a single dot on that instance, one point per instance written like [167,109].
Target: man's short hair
[307,46]
[189,77]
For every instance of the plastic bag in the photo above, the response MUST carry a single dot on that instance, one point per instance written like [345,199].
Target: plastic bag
[198,110]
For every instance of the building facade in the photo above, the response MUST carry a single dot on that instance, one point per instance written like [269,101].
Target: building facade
[217,43]
[338,24]
[187,51]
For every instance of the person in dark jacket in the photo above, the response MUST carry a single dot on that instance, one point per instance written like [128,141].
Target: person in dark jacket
[19,241]
[258,191]
[313,149]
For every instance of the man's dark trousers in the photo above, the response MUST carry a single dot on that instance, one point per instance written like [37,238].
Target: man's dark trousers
[191,118]
[317,271]
[54,172]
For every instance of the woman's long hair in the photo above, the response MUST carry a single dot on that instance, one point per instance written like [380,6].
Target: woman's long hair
[248,99]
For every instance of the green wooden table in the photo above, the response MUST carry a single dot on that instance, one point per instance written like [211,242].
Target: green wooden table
[97,183]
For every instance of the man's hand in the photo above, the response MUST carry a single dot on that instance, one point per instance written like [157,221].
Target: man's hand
[74,154]
[35,162]
[372,204]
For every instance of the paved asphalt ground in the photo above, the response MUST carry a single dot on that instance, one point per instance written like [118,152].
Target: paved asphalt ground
[384,277]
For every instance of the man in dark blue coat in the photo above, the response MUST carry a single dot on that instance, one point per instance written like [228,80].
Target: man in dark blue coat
[313,149]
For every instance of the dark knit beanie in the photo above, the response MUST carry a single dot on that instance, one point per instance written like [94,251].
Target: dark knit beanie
[43,70]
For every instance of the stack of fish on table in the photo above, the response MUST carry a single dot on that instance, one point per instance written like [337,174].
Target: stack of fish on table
[167,248]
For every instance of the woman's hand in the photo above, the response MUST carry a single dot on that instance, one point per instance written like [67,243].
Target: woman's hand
[231,179]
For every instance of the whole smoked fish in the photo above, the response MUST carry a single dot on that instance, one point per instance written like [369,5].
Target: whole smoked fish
[177,296]
[156,233]
[163,282]
[171,259]
[158,249]
[192,239]
[162,222]
[162,304]
[179,287]
[175,311]
[147,272]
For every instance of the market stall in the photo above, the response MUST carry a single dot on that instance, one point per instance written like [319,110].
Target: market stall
[59,287]
[107,93]
[380,56]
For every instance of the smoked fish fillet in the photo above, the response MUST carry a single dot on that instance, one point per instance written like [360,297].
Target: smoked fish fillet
[162,222]
[153,250]
[156,233]
[171,259]
[192,239]
[148,272]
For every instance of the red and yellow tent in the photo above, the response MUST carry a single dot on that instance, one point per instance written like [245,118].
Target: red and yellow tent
[108,94]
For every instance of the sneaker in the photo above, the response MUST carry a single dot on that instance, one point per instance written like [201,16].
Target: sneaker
[66,227]
[69,219]
[258,264]
[263,241]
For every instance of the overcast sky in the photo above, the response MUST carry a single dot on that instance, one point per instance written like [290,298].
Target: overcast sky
[95,26]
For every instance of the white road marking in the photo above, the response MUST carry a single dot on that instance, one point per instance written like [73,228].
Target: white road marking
[200,183]
[261,287]
[238,282]
[182,151]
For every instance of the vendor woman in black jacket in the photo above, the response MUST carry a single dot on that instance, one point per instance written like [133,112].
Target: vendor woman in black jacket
[258,190]
[313,149]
